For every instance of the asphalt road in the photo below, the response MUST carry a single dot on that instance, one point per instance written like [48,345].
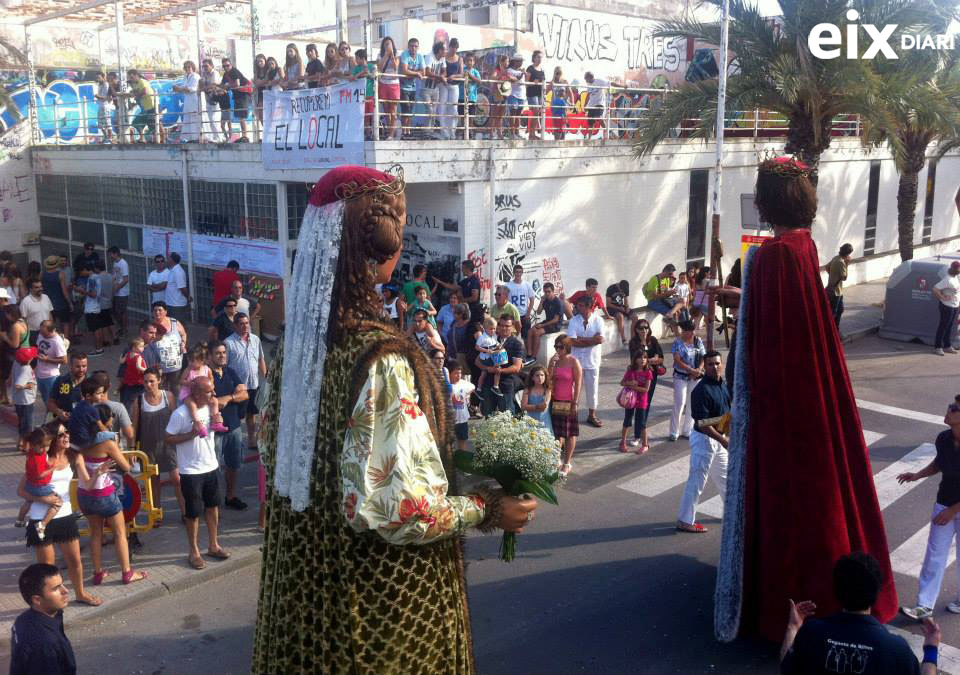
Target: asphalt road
[603,583]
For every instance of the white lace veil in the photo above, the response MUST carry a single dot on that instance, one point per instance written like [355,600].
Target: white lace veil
[309,299]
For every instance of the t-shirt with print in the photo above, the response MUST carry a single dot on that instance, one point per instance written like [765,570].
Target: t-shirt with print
[516,88]
[413,63]
[616,295]
[681,292]
[521,295]
[52,347]
[436,67]
[175,281]
[950,287]
[848,643]
[156,277]
[472,86]
[692,355]
[65,393]
[467,286]
[196,455]
[459,397]
[589,357]
[92,305]
[120,270]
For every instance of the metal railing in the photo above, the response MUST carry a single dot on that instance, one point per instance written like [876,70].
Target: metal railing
[562,112]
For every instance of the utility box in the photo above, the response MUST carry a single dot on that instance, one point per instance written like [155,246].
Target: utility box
[910,311]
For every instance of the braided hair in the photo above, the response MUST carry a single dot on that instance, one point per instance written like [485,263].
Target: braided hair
[784,194]
[372,234]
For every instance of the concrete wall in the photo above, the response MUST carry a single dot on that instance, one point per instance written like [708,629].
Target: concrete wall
[18,203]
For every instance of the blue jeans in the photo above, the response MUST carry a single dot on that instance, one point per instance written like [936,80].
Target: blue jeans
[45,386]
[493,402]
[948,318]
[660,306]
[38,490]
[229,448]
[104,507]
[24,419]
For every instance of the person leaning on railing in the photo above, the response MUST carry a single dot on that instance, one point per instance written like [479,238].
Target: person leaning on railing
[362,70]
[389,92]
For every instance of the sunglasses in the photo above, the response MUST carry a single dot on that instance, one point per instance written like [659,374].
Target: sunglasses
[62,434]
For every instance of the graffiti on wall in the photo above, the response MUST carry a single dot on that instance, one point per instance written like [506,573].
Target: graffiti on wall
[612,46]
[67,111]
[18,207]
[518,234]
[479,259]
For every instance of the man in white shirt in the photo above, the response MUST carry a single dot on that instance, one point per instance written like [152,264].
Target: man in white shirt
[36,308]
[522,297]
[200,477]
[177,295]
[596,100]
[947,291]
[586,329]
[157,279]
[121,289]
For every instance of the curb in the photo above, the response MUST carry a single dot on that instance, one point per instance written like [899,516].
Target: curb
[847,338]
[152,592]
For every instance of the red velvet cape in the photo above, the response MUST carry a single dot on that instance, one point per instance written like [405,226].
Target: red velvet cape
[809,494]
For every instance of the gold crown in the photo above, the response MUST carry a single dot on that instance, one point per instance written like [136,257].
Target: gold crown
[783,165]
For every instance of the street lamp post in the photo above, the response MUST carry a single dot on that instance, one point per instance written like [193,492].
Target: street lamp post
[716,250]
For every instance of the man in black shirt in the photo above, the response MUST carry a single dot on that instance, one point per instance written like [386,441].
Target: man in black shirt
[618,305]
[315,68]
[470,288]
[222,327]
[235,81]
[38,643]
[852,641]
[710,408]
[508,373]
[552,306]
[88,257]
[65,392]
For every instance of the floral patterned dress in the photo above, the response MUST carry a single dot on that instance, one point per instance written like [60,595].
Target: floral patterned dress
[369,578]
[394,483]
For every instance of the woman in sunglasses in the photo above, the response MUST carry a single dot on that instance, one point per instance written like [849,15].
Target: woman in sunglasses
[642,338]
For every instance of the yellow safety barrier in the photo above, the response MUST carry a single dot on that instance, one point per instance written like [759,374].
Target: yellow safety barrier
[145,515]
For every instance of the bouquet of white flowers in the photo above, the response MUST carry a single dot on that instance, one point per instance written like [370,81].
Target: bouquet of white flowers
[520,454]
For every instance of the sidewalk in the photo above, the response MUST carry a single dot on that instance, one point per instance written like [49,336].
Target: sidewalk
[863,309]
[164,552]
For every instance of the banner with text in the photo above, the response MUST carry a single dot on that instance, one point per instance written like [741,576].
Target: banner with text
[254,255]
[313,128]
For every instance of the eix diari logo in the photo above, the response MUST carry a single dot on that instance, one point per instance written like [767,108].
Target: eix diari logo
[825,35]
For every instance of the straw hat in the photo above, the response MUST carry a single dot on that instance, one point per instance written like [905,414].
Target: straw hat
[51,262]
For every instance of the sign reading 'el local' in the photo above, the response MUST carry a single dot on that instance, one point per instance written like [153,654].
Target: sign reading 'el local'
[313,128]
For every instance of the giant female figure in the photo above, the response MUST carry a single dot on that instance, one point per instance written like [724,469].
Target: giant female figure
[362,562]
[800,488]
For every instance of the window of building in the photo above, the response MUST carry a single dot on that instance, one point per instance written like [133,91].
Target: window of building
[217,208]
[54,226]
[926,234]
[122,199]
[52,194]
[873,193]
[87,230]
[697,215]
[447,16]
[83,196]
[262,211]
[163,203]
[297,196]
[477,16]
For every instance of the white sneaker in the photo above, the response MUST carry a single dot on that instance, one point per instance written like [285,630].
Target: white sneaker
[635,443]
[954,607]
[918,613]
[938,351]
[950,350]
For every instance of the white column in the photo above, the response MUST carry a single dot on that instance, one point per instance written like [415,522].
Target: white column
[191,274]
[35,134]
[121,74]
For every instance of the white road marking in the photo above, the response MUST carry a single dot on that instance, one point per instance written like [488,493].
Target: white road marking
[948,660]
[900,412]
[907,558]
[657,481]
[886,480]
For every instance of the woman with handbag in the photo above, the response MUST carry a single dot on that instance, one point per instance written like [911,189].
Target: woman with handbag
[566,379]
[634,401]
[642,338]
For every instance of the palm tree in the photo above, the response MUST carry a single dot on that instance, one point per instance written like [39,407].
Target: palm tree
[773,70]
[11,58]
[915,102]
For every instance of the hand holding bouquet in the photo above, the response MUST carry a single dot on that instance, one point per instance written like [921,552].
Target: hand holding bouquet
[520,454]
